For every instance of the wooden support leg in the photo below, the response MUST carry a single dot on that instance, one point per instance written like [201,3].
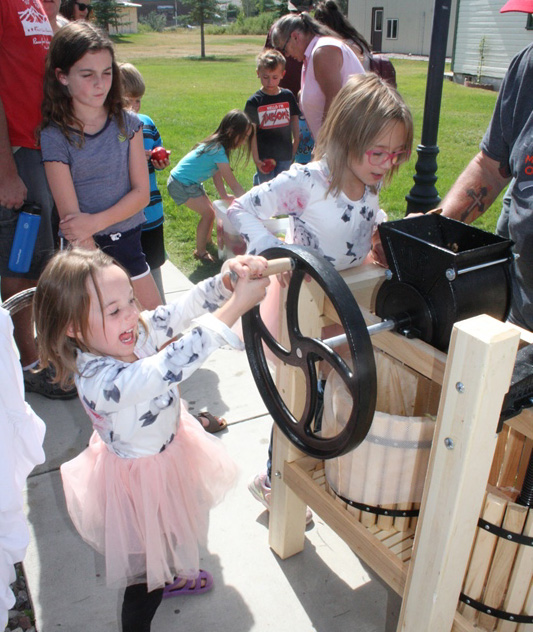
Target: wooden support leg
[287,512]
[478,372]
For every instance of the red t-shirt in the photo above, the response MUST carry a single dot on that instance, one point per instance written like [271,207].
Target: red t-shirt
[25,36]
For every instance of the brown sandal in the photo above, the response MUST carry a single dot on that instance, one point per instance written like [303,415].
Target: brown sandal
[215,424]
[206,257]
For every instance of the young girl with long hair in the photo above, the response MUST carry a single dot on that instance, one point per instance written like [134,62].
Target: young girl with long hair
[141,492]
[210,159]
[332,202]
[93,152]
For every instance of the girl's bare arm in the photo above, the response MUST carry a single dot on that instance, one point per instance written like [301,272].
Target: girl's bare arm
[225,171]
[327,64]
[81,226]
[66,201]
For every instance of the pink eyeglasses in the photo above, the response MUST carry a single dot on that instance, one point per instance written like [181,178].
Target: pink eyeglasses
[378,157]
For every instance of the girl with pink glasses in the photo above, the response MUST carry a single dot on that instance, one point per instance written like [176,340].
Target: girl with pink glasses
[332,202]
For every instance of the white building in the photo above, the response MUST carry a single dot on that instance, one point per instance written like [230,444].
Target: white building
[128,18]
[399,26]
[486,40]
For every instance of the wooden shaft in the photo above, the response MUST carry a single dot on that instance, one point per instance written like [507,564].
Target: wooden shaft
[276,266]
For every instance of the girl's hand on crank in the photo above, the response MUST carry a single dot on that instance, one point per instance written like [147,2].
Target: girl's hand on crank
[249,291]
[284,278]
[241,267]
[244,273]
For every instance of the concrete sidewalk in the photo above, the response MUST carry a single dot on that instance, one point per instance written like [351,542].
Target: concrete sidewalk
[324,588]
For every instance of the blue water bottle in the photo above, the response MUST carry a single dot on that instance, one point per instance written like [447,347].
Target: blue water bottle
[25,237]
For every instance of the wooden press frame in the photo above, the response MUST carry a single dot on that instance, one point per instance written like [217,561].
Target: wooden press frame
[475,377]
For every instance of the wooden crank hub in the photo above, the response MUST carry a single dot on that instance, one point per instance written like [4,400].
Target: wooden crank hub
[305,352]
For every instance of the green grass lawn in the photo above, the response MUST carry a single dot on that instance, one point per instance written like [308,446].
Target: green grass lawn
[188,97]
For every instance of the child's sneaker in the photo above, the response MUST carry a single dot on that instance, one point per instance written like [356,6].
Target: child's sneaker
[261,491]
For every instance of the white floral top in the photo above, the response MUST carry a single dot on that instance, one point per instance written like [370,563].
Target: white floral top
[340,229]
[135,407]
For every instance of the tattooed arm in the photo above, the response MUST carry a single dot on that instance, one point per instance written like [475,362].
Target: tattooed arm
[475,189]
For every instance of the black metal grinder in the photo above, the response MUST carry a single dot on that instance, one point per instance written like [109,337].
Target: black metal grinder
[442,271]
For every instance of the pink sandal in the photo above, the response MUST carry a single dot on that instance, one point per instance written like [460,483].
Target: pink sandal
[203,583]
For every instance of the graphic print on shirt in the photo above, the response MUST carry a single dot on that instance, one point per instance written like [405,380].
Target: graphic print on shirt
[34,21]
[274,115]
[156,405]
[527,181]
[182,353]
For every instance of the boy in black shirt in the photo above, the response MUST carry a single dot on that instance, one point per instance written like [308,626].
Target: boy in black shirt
[274,112]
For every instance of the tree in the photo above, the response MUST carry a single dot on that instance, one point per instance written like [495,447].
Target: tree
[280,8]
[201,12]
[267,6]
[249,8]
[232,11]
[107,13]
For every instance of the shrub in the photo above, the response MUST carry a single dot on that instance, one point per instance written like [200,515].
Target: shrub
[156,21]
[257,25]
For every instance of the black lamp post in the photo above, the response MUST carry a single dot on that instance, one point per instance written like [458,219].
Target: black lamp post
[423,195]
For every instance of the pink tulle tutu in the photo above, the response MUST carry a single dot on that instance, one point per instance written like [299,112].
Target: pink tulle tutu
[149,515]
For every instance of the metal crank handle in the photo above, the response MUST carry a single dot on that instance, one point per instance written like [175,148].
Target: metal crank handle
[275,266]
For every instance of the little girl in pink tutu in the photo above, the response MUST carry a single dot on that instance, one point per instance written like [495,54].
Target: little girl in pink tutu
[140,494]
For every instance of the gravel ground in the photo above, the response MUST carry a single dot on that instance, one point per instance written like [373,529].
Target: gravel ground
[21,618]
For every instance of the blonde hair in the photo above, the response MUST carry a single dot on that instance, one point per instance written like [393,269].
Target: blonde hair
[362,109]
[270,59]
[61,304]
[133,85]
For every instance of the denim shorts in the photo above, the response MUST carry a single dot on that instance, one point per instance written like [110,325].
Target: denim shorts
[126,249]
[180,192]
[31,171]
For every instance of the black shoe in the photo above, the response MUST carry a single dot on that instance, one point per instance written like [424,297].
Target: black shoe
[41,383]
